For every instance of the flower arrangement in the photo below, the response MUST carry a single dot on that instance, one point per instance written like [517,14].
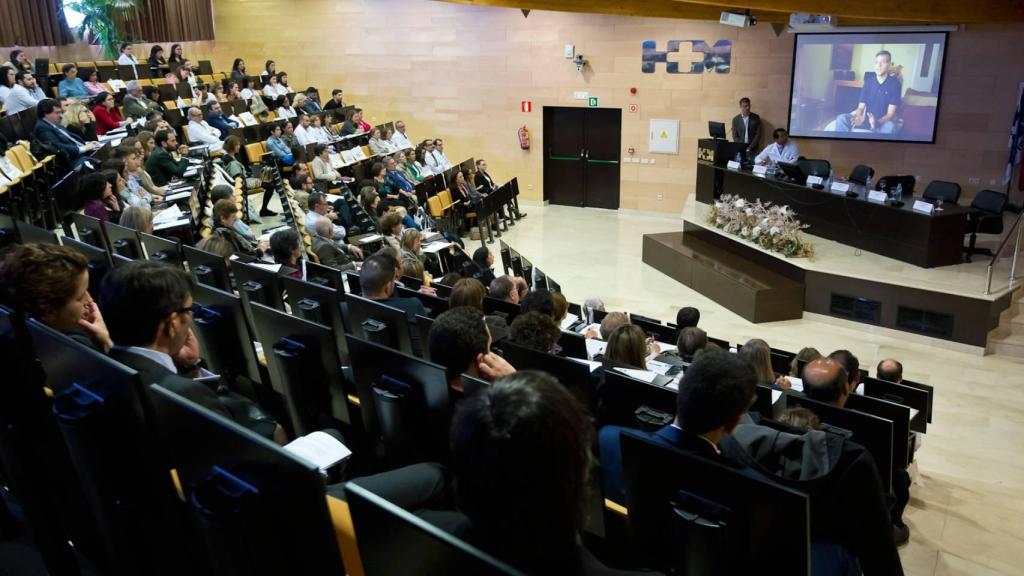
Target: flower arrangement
[771,227]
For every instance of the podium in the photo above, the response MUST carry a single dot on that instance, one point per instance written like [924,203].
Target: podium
[712,153]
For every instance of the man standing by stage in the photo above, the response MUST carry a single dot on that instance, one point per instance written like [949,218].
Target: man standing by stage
[746,127]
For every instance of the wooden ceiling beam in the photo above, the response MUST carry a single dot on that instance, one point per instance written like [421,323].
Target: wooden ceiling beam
[865,12]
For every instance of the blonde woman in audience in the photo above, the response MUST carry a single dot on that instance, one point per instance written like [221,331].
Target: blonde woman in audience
[145,138]
[391,230]
[137,218]
[78,119]
[377,144]
[322,169]
[298,101]
[317,131]
[758,355]
[407,167]
[412,245]
[415,269]
[806,354]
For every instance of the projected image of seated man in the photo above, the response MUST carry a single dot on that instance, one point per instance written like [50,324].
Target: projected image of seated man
[879,100]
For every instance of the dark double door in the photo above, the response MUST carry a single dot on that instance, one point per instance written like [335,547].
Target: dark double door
[581,156]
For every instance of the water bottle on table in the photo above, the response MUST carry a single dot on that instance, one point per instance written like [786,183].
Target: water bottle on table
[897,195]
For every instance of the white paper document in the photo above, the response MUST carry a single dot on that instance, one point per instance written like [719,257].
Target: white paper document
[595,347]
[319,448]
[642,375]
[590,363]
[167,215]
[569,320]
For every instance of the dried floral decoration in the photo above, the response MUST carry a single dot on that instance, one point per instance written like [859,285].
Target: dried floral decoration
[771,227]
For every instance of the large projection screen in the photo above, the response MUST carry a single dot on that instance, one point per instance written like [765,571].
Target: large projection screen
[867,86]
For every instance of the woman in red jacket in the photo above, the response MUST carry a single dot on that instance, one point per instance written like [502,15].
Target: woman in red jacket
[107,116]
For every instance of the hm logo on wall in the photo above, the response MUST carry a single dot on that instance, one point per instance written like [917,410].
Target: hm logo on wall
[701,58]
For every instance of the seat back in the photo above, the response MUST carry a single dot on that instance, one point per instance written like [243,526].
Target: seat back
[434,207]
[815,167]
[254,152]
[861,173]
[989,201]
[942,190]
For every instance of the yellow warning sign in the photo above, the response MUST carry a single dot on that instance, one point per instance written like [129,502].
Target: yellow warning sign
[664,134]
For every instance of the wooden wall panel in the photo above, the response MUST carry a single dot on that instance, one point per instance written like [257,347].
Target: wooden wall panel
[460,72]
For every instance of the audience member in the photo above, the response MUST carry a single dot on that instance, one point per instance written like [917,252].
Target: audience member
[538,300]
[24,95]
[470,292]
[49,132]
[391,230]
[286,248]
[627,348]
[611,322]
[6,82]
[503,288]
[175,54]
[51,284]
[156,58]
[758,354]
[165,164]
[97,197]
[460,341]
[377,280]
[691,340]
[137,218]
[329,252]
[851,364]
[136,104]
[146,338]
[71,86]
[108,118]
[889,370]
[535,331]
[20,61]
[215,118]
[805,354]
[529,440]
[336,100]
[93,86]
[320,207]
[225,215]
[127,55]
[687,317]
[200,131]
[323,171]
[79,121]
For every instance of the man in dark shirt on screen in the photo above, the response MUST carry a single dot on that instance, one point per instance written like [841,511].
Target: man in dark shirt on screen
[879,99]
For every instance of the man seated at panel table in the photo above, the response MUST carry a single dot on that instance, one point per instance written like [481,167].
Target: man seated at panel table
[879,99]
[782,150]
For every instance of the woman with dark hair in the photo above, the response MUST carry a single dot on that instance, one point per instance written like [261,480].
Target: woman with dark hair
[691,340]
[528,440]
[484,260]
[627,348]
[238,70]
[388,196]
[269,69]
[93,86]
[391,230]
[286,248]
[20,62]
[96,194]
[369,201]
[7,74]
[322,168]
[105,110]
[156,57]
[51,284]
[176,54]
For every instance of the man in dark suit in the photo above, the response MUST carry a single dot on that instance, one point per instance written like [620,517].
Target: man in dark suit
[161,165]
[377,281]
[326,249]
[714,396]
[49,131]
[746,127]
[148,309]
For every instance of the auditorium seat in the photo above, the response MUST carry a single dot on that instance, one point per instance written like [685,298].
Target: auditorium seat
[889,183]
[948,192]
[987,220]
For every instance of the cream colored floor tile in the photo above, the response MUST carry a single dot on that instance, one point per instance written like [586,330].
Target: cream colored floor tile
[965,519]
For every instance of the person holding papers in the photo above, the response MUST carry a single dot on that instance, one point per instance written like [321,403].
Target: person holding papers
[164,163]
[782,150]
[108,118]
[200,132]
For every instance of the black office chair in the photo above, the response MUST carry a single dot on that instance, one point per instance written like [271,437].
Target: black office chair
[987,220]
[813,167]
[948,192]
[861,174]
[888,183]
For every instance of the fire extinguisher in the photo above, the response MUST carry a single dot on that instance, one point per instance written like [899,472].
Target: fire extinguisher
[524,138]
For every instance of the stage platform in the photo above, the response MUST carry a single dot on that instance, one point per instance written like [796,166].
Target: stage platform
[841,281]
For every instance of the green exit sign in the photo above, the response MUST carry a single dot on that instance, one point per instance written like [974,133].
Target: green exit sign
[593,101]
